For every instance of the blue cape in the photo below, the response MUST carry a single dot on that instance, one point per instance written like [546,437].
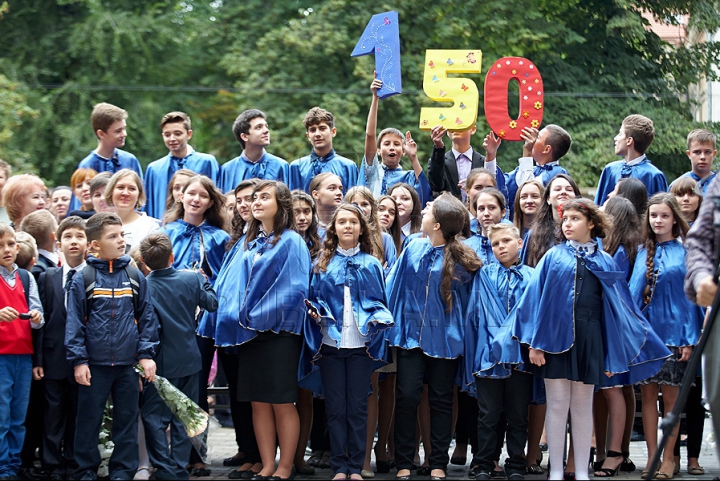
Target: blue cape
[481,245]
[413,289]
[159,173]
[269,167]
[363,274]
[186,246]
[303,170]
[675,319]
[544,317]
[653,178]
[495,291]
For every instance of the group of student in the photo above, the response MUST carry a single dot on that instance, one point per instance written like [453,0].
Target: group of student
[459,300]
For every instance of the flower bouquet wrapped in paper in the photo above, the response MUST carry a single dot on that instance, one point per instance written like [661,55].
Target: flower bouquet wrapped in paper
[193,417]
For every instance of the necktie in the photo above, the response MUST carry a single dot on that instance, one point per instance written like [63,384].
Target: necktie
[68,280]
[384,186]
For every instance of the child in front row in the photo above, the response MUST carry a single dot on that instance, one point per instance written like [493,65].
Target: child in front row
[578,340]
[59,384]
[496,289]
[19,296]
[175,296]
[112,331]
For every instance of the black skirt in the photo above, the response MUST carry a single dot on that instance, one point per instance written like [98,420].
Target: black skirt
[585,360]
[268,368]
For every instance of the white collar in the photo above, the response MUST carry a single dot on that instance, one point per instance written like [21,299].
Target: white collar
[66,268]
[349,252]
[588,247]
[406,228]
[636,161]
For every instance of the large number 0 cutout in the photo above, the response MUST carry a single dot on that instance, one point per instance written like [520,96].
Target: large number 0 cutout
[496,96]
[463,92]
[382,37]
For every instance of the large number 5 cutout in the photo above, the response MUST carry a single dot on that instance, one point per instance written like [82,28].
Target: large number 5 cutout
[461,91]
[532,102]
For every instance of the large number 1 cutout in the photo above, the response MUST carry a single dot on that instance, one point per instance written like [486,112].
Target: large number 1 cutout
[462,91]
[382,37]
[496,96]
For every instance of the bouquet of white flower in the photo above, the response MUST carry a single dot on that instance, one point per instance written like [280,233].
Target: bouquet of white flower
[193,417]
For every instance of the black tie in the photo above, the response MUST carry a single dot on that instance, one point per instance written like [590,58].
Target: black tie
[68,281]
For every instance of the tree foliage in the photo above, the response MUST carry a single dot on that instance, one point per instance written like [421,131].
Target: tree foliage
[214,59]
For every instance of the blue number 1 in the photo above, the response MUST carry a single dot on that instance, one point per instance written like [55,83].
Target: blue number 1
[382,37]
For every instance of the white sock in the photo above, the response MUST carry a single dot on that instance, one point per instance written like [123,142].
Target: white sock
[558,403]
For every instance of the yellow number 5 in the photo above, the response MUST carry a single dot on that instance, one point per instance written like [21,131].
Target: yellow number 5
[461,91]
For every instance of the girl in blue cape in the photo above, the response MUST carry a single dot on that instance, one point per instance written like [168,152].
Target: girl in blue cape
[409,209]
[489,210]
[498,387]
[345,334]
[196,226]
[220,329]
[657,287]
[582,327]
[274,275]
[382,241]
[428,290]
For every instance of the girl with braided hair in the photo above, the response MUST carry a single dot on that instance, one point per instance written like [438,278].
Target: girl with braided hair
[657,287]
[428,290]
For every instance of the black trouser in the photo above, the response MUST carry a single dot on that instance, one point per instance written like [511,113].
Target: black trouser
[207,351]
[513,395]
[319,437]
[412,366]
[694,421]
[61,404]
[466,424]
[33,424]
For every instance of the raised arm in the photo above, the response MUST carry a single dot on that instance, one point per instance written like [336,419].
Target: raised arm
[371,128]
[411,150]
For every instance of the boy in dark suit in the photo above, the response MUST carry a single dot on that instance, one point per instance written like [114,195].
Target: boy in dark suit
[175,296]
[50,363]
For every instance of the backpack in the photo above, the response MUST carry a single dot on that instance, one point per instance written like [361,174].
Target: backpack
[25,279]
[89,273]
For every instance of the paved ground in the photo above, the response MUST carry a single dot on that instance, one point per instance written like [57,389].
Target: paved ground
[222,445]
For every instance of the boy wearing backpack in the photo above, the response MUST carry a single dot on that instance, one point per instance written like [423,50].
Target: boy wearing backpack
[111,326]
[21,311]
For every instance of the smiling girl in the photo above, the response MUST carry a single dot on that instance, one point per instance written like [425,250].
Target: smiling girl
[657,286]
[348,296]
[175,187]
[527,205]
[408,209]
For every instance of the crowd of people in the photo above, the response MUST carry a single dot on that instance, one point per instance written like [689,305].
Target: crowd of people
[347,304]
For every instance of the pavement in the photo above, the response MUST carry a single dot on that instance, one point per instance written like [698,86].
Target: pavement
[222,445]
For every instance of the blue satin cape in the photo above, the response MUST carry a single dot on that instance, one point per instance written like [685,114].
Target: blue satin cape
[673,317]
[186,246]
[416,303]
[544,317]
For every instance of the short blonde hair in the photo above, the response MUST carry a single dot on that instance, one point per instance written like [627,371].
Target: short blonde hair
[503,227]
[16,188]
[28,250]
[116,178]
[40,224]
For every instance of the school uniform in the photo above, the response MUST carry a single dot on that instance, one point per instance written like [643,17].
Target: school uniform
[268,167]
[175,296]
[445,171]
[640,168]
[430,341]
[348,344]
[275,280]
[673,317]
[481,245]
[197,247]
[498,387]
[379,178]
[60,388]
[160,171]
[578,310]
[303,170]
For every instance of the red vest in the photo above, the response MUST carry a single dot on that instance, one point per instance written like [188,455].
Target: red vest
[15,336]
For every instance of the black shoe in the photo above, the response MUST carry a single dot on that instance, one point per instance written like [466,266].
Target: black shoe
[201,472]
[483,476]
[423,471]
[459,461]
[535,469]
[246,474]
[627,464]
[305,470]
[516,477]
